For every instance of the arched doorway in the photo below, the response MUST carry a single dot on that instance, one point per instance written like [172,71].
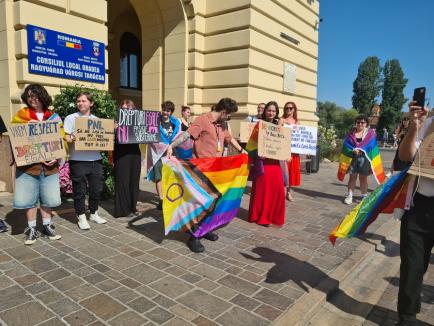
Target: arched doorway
[161,28]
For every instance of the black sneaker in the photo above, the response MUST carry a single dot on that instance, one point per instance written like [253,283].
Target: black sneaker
[195,245]
[48,231]
[32,235]
[3,227]
[160,205]
[211,236]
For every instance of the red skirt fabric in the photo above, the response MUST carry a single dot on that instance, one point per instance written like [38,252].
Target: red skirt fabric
[267,201]
[294,170]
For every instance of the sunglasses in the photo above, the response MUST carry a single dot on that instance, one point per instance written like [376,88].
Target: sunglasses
[360,122]
[289,108]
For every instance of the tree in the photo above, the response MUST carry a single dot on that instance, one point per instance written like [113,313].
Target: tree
[367,85]
[331,115]
[392,96]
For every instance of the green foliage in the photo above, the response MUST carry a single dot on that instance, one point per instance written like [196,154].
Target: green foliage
[392,96]
[367,85]
[104,107]
[332,115]
[327,142]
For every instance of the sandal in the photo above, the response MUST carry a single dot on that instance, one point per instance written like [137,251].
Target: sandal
[289,197]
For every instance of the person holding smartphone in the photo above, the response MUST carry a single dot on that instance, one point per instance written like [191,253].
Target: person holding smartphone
[417,225]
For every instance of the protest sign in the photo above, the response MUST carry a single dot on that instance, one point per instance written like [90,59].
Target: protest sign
[304,140]
[423,164]
[138,127]
[94,134]
[274,141]
[246,129]
[36,142]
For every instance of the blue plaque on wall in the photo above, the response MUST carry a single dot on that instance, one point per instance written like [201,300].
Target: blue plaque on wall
[63,55]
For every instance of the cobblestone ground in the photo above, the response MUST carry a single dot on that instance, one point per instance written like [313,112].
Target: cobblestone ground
[384,313]
[121,274]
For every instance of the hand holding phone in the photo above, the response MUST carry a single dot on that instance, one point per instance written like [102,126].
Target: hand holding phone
[419,96]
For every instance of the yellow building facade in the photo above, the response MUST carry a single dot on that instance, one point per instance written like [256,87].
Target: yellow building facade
[191,52]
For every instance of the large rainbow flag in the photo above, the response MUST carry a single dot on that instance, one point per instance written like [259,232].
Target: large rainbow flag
[202,194]
[369,146]
[395,193]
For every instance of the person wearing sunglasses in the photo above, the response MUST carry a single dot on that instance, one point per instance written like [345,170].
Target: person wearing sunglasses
[360,166]
[289,118]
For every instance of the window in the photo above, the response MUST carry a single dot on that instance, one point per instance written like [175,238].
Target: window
[130,62]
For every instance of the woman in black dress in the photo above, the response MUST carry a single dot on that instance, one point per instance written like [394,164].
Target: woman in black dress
[127,165]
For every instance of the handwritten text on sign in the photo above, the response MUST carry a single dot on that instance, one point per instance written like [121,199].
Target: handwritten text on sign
[36,142]
[138,127]
[274,141]
[303,140]
[246,129]
[94,134]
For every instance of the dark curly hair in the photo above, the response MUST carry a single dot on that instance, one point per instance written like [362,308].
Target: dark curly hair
[226,104]
[38,91]
[264,115]
[168,105]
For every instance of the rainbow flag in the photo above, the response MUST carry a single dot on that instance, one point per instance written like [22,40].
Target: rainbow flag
[395,193]
[369,146]
[202,194]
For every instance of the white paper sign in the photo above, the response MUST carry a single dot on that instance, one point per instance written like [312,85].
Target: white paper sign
[304,140]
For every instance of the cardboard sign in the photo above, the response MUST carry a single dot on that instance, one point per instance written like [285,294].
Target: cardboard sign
[246,129]
[138,127]
[94,134]
[36,142]
[424,162]
[274,141]
[304,140]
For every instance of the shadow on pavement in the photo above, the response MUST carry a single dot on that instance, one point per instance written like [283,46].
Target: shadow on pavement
[427,294]
[316,194]
[389,246]
[306,276]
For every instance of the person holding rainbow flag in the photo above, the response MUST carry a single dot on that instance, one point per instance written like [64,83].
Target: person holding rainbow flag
[417,224]
[360,157]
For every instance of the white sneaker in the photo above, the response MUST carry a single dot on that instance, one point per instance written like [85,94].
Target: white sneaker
[364,196]
[82,222]
[389,174]
[348,200]
[97,219]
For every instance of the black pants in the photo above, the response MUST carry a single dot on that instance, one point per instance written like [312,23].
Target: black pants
[127,178]
[417,241]
[84,174]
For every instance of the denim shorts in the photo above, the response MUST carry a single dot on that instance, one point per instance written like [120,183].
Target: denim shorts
[360,165]
[31,190]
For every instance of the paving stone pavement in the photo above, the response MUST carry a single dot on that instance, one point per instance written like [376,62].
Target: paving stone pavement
[121,273]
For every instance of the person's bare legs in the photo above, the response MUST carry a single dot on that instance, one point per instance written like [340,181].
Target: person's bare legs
[351,185]
[363,184]
[288,194]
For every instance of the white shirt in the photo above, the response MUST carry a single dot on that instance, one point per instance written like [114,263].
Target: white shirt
[426,185]
[40,115]
[69,127]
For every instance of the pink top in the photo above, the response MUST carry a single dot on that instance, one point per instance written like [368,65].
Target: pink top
[209,136]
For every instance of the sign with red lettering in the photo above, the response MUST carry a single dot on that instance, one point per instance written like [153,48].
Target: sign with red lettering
[36,142]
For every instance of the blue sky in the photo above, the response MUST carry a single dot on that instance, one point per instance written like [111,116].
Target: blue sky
[355,29]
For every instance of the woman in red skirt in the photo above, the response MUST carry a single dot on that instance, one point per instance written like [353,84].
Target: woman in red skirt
[267,201]
[289,118]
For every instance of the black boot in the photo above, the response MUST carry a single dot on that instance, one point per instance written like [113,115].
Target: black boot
[195,245]
[211,236]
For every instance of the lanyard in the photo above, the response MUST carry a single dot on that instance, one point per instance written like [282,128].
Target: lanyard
[217,131]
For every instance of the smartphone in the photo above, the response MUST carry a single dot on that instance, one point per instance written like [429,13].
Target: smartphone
[419,96]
